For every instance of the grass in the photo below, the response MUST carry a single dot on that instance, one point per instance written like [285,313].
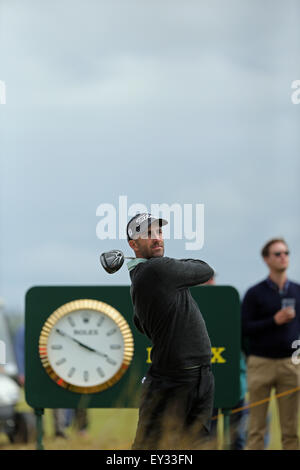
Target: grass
[109,429]
[113,429]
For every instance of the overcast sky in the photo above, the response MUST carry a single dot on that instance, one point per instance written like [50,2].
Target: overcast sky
[161,101]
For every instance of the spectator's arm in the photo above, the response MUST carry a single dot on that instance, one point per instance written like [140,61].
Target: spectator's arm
[250,324]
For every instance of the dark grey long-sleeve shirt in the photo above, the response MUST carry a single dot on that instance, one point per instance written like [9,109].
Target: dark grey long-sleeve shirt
[167,313]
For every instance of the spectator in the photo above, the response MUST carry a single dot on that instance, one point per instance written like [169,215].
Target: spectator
[79,419]
[271,328]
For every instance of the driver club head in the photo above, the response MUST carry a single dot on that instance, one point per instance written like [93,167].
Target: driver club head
[112,261]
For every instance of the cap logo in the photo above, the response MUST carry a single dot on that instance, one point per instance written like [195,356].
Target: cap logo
[141,219]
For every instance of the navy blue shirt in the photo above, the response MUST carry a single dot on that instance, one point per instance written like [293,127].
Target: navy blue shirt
[266,338]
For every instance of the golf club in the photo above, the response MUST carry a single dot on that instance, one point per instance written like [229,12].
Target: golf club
[113,260]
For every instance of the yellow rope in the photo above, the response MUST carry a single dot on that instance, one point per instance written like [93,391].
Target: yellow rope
[260,402]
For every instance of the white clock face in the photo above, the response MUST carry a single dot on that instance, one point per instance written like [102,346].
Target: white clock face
[86,346]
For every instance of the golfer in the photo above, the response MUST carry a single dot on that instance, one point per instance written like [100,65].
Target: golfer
[178,390]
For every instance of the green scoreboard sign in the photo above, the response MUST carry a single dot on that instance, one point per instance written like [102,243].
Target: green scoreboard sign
[83,350]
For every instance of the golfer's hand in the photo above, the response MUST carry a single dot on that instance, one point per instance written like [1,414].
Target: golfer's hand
[285,315]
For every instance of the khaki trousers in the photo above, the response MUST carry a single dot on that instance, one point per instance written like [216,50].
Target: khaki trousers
[263,375]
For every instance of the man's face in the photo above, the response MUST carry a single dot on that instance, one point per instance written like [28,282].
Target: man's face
[278,258]
[210,282]
[150,245]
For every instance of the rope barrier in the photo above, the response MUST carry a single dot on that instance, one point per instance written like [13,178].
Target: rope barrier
[260,402]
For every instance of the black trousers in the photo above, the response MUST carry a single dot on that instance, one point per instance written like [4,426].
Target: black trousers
[175,412]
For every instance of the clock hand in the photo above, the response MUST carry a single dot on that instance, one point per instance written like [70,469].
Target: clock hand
[62,333]
[88,347]
[94,350]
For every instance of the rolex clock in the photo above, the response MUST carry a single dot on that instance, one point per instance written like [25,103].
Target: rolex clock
[86,346]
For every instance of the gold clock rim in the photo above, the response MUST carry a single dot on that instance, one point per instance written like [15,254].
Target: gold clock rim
[101,307]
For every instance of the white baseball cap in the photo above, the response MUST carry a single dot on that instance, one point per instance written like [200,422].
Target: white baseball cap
[140,223]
